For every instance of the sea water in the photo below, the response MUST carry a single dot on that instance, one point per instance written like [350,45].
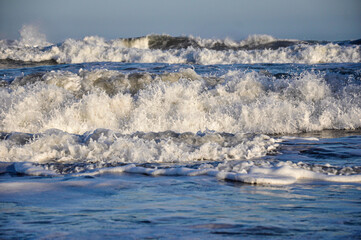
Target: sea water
[167,137]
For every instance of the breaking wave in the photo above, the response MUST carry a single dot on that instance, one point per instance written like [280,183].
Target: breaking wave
[183,101]
[156,119]
[55,153]
[33,47]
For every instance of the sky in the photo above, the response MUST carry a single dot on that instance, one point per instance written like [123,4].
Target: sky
[236,19]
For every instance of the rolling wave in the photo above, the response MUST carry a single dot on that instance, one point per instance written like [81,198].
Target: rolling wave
[182,101]
[168,49]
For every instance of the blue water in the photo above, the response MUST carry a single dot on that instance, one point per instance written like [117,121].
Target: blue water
[137,207]
[176,148]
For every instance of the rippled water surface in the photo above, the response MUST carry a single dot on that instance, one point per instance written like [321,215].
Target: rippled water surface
[137,206]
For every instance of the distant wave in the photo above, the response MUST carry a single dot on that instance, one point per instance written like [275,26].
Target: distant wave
[168,49]
[166,42]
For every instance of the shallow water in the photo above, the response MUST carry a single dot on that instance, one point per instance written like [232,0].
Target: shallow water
[138,206]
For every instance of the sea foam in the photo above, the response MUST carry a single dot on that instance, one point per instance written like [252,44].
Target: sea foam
[167,49]
[183,101]
[219,121]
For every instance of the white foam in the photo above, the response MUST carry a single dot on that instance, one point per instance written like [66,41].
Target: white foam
[105,146]
[236,102]
[250,41]
[294,139]
[33,170]
[97,49]
[226,157]
[246,172]
[251,172]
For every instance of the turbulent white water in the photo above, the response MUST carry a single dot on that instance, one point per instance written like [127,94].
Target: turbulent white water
[166,49]
[184,101]
[102,118]
[215,120]
[159,137]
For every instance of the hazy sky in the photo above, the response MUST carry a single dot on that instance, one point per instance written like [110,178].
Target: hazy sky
[306,19]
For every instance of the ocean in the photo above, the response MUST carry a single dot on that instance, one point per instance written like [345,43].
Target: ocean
[162,137]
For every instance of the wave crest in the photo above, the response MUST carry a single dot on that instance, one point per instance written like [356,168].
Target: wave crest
[168,49]
[182,101]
